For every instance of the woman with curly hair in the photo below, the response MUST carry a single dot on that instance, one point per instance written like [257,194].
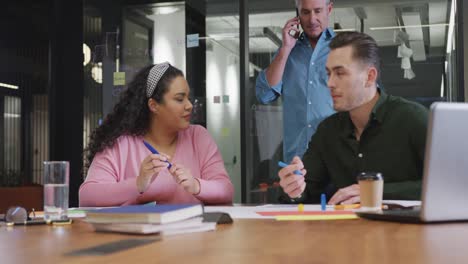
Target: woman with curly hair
[154,109]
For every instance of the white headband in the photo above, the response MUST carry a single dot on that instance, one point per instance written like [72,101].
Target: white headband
[154,76]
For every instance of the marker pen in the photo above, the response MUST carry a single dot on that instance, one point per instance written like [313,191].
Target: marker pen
[154,151]
[282,165]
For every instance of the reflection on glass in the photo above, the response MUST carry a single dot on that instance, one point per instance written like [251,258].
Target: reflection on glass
[418,63]
[223,89]
[417,45]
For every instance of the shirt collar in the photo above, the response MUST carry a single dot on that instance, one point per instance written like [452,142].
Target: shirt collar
[377,113]
[348,126]
[328,34]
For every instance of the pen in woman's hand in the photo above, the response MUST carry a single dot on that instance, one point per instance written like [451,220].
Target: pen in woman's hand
[154,151]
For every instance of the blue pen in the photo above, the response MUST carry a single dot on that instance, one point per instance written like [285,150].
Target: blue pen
[282,165]
[323,202]
[154,151]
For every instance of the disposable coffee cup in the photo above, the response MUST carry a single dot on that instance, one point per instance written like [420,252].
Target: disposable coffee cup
[371,190]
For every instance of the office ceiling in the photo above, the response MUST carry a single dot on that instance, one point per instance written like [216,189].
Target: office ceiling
[223,22]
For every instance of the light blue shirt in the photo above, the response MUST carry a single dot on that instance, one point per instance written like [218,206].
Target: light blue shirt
[306,97]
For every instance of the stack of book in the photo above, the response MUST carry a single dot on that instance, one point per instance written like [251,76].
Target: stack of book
[150,219]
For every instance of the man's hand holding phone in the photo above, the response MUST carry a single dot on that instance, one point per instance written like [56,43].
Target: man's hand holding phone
[291,33]
[295,32]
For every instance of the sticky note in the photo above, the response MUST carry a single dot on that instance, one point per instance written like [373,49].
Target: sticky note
[225,132]
[193,40]
[217,99]
[119,78]
[226,99]
[289,213]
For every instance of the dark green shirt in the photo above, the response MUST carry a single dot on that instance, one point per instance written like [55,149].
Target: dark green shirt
[392,143]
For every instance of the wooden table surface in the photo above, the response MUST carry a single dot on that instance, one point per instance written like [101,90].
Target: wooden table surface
[250,241]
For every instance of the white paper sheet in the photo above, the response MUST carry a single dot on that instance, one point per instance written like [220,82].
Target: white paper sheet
[237,212]
[250,212]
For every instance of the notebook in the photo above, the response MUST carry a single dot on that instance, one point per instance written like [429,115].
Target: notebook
[191,225]
[144,214]
[445,177]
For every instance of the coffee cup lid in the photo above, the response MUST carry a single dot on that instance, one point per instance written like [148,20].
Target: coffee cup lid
[369,176]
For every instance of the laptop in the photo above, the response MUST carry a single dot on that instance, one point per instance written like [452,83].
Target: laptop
[445,177]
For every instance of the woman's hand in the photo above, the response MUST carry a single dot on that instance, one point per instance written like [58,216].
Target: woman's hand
[149,169]
[184,178]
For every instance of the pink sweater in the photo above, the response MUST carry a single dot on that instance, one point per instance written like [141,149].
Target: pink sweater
[112,175]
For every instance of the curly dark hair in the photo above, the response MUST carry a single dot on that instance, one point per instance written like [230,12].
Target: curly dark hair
[131,115]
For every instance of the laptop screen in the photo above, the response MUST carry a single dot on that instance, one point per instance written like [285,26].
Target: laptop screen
[445,179]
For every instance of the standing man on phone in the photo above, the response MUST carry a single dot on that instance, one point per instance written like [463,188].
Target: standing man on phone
[298,73]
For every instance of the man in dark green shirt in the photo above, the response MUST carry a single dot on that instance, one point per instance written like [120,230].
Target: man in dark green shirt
[372,132]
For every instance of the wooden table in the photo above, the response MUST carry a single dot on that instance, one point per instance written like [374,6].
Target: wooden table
[250,241]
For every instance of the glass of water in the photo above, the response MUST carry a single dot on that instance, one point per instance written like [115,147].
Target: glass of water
[56,179]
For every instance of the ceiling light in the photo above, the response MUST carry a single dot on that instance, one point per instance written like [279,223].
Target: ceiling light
[344,29]
[96,72]
[442,87]
[166,10]
[451,28]
[410,26]
[9,86]
[10,115]
[86,54]
[222,36]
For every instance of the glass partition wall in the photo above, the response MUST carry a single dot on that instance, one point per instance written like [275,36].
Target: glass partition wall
[194,36]
[417,48]
[202,37]
[417,42]
[24,121]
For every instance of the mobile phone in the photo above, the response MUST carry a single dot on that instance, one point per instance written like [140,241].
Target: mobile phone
[297,14]
[295,33]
